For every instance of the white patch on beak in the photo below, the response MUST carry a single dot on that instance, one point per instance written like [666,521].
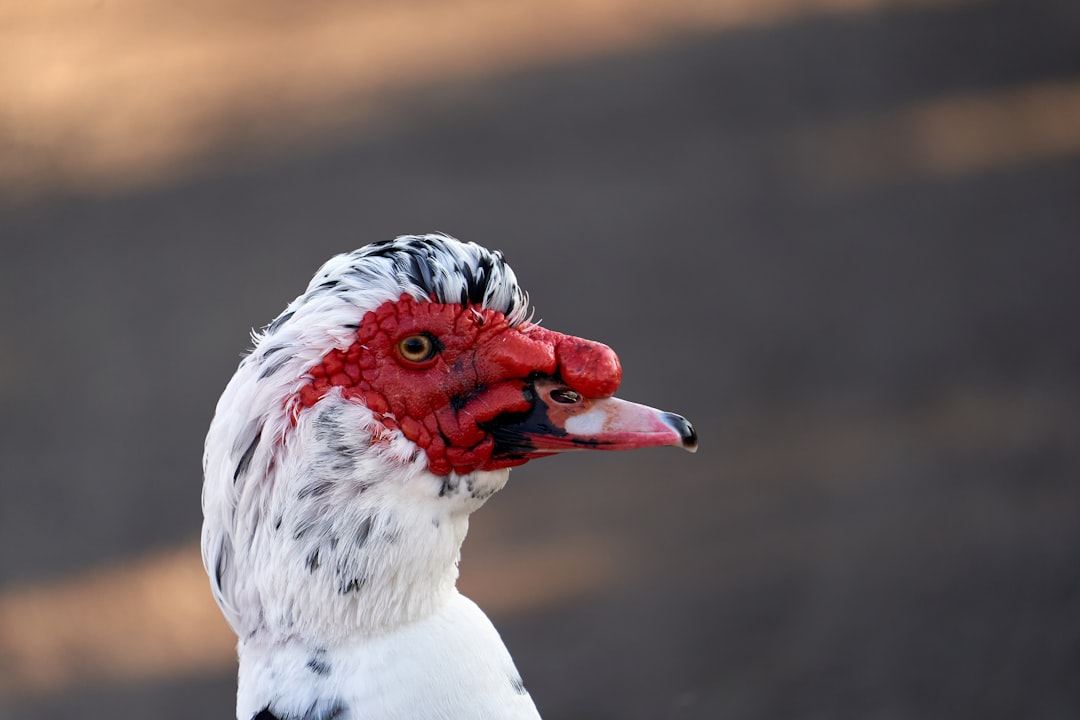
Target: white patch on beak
[588,423]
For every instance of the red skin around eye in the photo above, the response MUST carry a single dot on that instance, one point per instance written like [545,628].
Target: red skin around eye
[480,372]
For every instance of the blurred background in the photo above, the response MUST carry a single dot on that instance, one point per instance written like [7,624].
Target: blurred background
[841,236]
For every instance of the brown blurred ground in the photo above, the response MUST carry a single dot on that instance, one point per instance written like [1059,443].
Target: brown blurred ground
[840,237]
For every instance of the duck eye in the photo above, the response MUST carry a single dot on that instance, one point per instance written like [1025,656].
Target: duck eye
[418,348]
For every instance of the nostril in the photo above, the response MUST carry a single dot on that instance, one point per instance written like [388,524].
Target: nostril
[565,396]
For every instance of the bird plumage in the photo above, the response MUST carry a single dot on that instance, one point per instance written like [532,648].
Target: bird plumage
[370,419]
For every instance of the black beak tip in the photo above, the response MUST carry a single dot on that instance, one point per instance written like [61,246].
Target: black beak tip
[686,431]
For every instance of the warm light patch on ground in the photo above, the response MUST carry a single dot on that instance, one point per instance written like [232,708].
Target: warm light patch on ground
[147,619]
[952,136]
[100,96]
[156,618]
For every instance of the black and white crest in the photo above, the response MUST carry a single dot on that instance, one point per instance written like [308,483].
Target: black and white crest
[426,267]
[451,271]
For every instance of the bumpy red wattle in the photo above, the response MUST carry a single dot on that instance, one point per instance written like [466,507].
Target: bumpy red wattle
[589,367]
[480,373]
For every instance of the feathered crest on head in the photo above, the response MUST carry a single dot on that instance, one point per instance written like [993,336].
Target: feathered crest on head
[432,267]
[440,268]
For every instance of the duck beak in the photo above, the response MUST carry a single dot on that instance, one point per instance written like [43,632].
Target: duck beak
[561,419]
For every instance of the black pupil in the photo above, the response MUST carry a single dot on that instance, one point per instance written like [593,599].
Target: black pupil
[416,346]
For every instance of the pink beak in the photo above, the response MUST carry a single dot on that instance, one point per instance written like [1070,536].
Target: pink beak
[562,419]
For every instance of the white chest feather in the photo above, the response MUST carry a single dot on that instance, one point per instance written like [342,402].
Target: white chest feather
[451,664]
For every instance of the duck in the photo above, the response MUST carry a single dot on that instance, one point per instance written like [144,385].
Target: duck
[365,425]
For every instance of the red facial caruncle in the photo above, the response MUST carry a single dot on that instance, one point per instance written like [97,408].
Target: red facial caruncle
[452,377]
[438,372]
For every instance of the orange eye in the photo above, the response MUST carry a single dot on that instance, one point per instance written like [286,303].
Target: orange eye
[418,348]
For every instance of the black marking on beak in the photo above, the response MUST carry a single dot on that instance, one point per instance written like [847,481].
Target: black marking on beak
[686,431]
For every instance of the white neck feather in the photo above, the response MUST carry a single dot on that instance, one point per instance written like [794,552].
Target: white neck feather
[345,537]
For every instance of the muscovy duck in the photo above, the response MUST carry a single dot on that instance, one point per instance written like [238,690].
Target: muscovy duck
[379,410]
